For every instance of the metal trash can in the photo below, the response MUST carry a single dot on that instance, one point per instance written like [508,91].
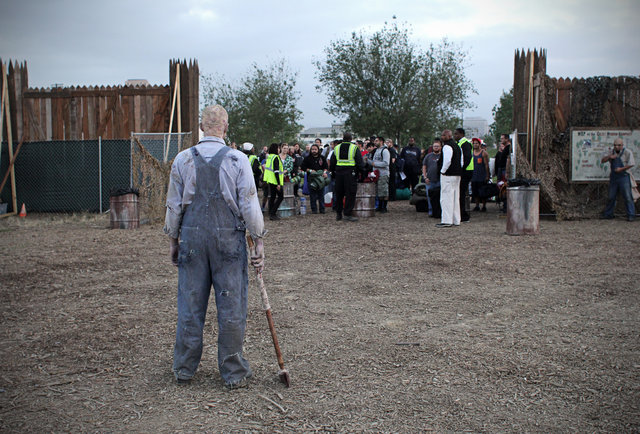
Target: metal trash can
[523,210]
[287,207]
[124,213]
[365,200]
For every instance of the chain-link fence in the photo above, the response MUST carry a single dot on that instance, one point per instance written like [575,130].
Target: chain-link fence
[151,158]
[77,176]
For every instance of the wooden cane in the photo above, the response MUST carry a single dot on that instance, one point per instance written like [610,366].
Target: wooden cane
[283,373]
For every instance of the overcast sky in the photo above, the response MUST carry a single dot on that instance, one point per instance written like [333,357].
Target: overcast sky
[85,42]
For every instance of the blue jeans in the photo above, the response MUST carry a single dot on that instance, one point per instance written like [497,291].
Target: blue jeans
[316,198]
[429,187]
[623,185]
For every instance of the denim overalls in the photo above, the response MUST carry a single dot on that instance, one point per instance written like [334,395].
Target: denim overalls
[212,251]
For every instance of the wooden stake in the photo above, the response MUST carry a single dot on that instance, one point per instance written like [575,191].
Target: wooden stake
[13,160]
[7,112]
[179,110]
[4,90]
[173,107]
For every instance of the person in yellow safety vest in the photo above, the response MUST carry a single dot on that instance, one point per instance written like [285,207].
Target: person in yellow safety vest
[274,177]
[346,162]
[256,167]
[467,171]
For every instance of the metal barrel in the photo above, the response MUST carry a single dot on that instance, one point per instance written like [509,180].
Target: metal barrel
[124,212]
[523,210]
[288,206]
[365,200]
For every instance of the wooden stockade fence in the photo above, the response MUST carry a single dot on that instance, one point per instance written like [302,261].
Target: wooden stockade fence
[544,111]
[110,112]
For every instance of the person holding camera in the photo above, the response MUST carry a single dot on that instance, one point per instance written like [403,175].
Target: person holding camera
[621,160]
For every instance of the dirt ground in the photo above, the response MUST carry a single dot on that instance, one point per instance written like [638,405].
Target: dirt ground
[387,325]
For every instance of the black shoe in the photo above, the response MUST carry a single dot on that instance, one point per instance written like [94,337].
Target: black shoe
[477,208]
[314,212]
[630,218]
[484,209]
[443,225]
[338,217]
[350,218]
[606,217]
[322,211]
[183,380]
[465,221]
[274,217]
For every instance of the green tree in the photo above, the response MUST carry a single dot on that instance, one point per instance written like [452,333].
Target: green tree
[262,107]
[502,116]
[383,83]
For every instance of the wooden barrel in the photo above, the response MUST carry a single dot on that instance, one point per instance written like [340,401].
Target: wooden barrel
[124,212]
[365,200]
[288,206]
[523,210]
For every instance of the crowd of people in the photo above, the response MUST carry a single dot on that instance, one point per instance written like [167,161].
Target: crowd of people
[212,206]
[337,166]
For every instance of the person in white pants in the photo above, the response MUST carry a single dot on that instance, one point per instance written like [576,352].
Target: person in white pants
[450,173]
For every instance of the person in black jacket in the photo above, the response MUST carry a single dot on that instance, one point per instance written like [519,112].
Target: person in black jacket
[412,162]
[346,162]
[392,169]
[315,162]
[501,163]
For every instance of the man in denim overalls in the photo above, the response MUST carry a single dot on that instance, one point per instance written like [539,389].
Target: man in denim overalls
[211,201]
[621,160]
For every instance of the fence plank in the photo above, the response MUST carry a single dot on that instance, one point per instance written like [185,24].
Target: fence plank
[48,119]
[126,116]
[85,118]
[72,134]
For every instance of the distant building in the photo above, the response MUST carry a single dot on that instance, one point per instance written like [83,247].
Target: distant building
[136,82]
[475,126]
[326,134]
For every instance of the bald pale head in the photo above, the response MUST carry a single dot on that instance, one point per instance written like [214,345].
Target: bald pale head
[215,121]
[618,142]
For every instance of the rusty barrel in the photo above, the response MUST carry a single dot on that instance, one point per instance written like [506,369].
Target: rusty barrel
[124,212]
[288,206]
[365,200]
[523,210]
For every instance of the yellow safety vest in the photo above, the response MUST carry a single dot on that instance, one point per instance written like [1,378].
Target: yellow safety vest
[270,174]
[253,158]
[470,165]
[351,159]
